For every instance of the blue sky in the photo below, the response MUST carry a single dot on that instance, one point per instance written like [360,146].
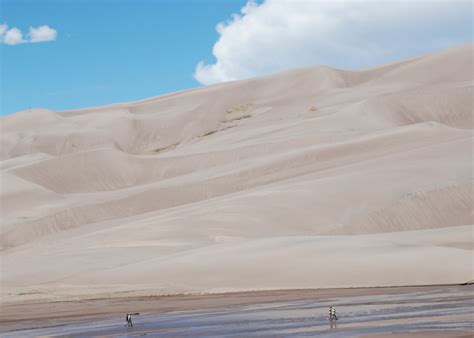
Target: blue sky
[109,51]
[106,51]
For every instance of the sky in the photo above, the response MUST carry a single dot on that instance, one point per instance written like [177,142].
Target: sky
[69,54]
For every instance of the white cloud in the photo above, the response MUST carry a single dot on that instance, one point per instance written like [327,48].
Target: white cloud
[3,29]
[14,36]
[283,34]
[42,33]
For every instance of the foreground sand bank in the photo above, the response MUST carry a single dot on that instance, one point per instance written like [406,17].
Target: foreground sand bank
[297,262]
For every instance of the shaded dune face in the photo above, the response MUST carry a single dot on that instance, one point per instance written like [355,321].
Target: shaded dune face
[308,152]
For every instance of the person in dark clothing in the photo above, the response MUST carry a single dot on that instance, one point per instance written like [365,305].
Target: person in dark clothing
[332,313]
[128,318]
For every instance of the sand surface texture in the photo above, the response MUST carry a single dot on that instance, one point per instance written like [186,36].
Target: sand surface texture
[311,178]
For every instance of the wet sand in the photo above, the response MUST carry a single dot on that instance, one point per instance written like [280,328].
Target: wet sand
[426,334]
[367,312]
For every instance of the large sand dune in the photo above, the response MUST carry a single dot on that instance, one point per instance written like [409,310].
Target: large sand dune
[310,178]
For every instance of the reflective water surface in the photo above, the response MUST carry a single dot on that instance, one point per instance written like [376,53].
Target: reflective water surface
[445,308]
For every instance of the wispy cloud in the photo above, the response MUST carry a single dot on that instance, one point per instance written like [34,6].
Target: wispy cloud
[281,34]
[14,36]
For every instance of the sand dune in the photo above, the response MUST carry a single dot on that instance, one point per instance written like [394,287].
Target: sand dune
[252,184]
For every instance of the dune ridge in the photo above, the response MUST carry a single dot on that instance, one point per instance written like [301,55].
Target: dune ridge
[241,176]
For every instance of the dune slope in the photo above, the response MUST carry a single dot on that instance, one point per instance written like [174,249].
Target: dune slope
[309,178]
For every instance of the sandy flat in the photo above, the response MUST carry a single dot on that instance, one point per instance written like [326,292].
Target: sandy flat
[442,310]
[311,178]
[425,334]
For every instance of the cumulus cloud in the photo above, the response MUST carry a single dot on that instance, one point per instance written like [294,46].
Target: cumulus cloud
[42,33]
[14,36]
[281,34]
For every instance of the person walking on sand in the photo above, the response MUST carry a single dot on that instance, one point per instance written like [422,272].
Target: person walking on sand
[128,317]
[332,313]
